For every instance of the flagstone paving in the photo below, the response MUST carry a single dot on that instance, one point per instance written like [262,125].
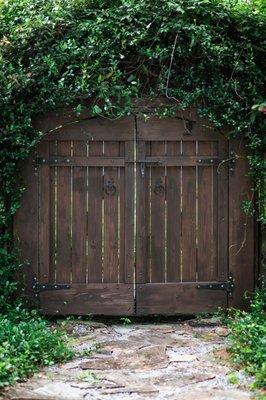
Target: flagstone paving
[175,360]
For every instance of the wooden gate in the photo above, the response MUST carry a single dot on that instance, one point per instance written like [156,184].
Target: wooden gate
[182,209]
[132,218]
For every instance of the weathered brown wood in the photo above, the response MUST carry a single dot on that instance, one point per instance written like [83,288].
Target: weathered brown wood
[64,240]
[95,299]
[79,217]
[241,232]
[148,188]
[222,213]
[172,129]
[82,161]
[121,217]
[142,217]
[56,119]
[188,243]
[120,162]
[92,129]
[110,259]
[158,189]
[177,298]
[95,216]
[206,267]
[84,226]
[129,214]
[173,220]
[52,212]
[26,225]
[44,216]
[181,160]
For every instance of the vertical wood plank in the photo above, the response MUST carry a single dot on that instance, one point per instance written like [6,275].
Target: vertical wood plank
[44,215]
[79,217]
[110,261]
[122,221]
[129,213]
[222,210]
[95,196]
[241,228]
[157,216]
[189,216]
[26,223]
[52,221]
[205,260]
[142,228]
[148,189]
[173,216]
[63,262]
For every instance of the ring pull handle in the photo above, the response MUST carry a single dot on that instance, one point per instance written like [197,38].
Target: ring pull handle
[109,188]
[159,188]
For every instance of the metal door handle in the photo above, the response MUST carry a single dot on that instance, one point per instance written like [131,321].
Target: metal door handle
[159,188]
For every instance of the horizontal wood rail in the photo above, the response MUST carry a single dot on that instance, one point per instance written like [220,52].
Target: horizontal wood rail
[81,161]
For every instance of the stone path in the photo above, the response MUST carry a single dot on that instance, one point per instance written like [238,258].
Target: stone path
[170,361]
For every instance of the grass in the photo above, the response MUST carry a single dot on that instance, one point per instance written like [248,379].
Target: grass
[27,343]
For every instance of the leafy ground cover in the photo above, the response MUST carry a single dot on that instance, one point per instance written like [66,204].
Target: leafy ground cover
[248,338]
[26,343]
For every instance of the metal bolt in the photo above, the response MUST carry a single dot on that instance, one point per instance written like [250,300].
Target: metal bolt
[43,160]
[55,286]
[211,161]
[55,160]
[68,160]
[199,160]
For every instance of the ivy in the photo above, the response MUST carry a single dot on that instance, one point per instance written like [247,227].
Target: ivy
[57,53]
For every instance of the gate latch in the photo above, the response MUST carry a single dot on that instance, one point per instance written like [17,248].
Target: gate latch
[150,163]
[228,286]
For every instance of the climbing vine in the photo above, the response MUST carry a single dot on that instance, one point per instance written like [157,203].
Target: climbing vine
[58,53]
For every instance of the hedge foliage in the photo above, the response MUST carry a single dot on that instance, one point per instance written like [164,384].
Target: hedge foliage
[55,53]
[248,338]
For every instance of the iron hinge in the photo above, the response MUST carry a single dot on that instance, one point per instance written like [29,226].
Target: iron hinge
[209,161]
[41,287]
[228,286]
[52,160]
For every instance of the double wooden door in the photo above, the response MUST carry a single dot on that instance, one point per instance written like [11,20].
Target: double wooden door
[129,217]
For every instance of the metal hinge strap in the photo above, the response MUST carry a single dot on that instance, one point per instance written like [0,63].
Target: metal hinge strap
[41,287]
[211,161]
[226,286]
